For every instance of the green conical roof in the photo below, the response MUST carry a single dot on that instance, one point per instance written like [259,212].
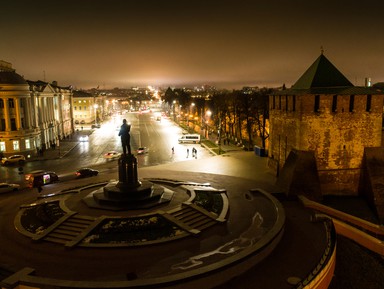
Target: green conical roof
[322,73]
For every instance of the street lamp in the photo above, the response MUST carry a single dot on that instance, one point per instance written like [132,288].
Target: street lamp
[95,106]
[208,114]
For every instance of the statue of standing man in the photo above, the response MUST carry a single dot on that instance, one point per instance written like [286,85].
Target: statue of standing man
[125,137]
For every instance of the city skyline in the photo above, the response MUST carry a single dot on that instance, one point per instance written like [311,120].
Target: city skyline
[227,44]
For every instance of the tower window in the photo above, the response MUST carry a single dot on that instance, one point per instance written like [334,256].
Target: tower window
[334,103]
[317,103]
[286,103]
[351,103]
[369,103]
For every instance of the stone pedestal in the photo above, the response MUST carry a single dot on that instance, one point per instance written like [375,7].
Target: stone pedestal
[128,192]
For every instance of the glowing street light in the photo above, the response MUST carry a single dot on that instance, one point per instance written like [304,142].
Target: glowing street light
[95,106]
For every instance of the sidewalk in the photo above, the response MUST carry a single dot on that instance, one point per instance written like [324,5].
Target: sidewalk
[61,150]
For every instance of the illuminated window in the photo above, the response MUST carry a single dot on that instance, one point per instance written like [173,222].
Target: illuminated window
[16,146]
[2,146]
[27,144]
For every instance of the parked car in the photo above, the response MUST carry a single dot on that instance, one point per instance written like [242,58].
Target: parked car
[41,178]
[97,125]
[86,172]
[19,159]
[112,155]
[142,150]
[5,187]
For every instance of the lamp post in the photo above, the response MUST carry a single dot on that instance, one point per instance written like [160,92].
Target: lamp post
[95,106]
[208,114]
[190,112]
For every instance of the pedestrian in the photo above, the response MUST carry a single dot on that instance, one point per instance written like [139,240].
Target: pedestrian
[187,153]
[195,153]
[173,150]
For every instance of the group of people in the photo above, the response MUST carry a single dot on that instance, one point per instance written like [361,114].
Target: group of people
[194,152]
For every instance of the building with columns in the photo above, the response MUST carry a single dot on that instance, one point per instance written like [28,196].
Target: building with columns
[33,115]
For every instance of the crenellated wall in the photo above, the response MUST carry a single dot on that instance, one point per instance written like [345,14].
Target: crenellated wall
[336,131]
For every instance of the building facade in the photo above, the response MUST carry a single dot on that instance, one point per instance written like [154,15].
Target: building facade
[34,115]
[324,113]
[88,107]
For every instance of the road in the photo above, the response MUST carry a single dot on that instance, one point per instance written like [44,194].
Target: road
[158,136]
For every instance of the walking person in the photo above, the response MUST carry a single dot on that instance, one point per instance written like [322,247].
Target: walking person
[173,150]
[187,153]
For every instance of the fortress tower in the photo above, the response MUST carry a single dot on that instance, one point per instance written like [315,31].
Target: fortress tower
[331,121]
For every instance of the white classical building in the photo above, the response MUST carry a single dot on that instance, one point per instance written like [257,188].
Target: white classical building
[33,115]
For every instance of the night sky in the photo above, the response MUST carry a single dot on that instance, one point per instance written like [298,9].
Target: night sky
[229,44]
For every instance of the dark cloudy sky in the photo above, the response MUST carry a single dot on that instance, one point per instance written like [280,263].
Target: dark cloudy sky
[227,43]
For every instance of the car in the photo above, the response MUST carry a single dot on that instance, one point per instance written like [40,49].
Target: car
[83,138]
[6,187]
[82,122]
[142,150]
[19,159]
[42,177]
[97,125]
[86,172]
[112,155]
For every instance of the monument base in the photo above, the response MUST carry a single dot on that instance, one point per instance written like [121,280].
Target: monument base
[111,197]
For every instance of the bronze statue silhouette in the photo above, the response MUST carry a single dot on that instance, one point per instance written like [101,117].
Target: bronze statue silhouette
[125,137]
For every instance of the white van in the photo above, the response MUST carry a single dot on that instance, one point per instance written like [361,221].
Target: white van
[190,138]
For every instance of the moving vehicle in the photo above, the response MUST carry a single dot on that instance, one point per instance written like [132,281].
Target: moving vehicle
[41,178]
[112,155]
[190,138]
[6,187]
[83,138]
[142,150]
[86,172]
[19,159]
